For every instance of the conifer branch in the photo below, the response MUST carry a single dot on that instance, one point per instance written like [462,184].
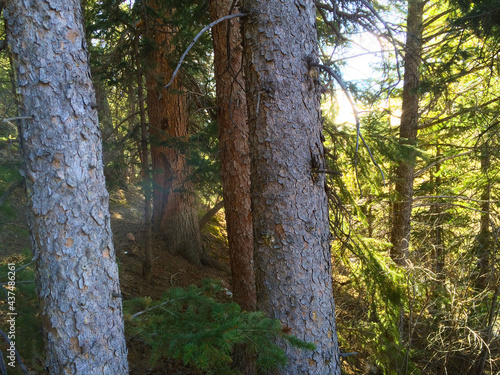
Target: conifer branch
[356,117]
[428,124]
[457,197]
[160,305]
[389,33]
[195,39]
[423,170]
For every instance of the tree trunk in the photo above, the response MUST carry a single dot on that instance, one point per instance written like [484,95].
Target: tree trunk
[147,263]
[484,240]
[436,209]
[235,158]
[290,211]
[235,162]
[76,272]
[400,236]
[174,211]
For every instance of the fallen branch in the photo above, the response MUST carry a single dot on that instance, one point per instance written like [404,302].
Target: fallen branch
[211,213]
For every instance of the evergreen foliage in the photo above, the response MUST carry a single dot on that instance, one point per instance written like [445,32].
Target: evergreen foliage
[192,326]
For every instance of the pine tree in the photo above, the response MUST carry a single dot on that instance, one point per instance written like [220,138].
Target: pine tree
[76,272]
[290,211]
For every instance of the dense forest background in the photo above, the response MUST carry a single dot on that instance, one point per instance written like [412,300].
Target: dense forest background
[411,177]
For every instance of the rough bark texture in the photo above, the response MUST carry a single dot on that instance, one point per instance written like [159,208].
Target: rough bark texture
[401,224]
[76,272]
[235,162]
[290,212]
[174,212]
[234,146]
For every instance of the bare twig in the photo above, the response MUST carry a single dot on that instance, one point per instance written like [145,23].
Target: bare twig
[10,190]
[458,197]
[8,120]
[228,17]
[160,305]
[448,205]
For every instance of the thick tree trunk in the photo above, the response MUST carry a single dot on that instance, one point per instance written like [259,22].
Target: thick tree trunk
[175,215]
[76,272]
[290,211]
[235,158]
[401,224]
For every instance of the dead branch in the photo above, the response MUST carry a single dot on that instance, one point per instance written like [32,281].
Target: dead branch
[195,39]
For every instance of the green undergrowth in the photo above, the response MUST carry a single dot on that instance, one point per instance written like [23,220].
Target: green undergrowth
[192,326]
[9,174]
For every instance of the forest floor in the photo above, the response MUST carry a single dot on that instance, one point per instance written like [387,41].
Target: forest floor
[126,208]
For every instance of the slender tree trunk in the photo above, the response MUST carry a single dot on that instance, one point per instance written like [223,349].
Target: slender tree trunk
[483,241]
[235,161]
[400,236]
[76,272]
[174,211]
[147,264]
[439,248]
[290,210]
[485,244]
[235,158]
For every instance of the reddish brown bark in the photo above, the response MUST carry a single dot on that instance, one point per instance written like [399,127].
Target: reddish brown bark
[174,212]
[234,147]
[235,162]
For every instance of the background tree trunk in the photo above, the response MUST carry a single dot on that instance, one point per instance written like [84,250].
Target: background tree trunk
[401,224]
[290,211]
[483,242]
[76,272]
[175,215]
[436,209]
[147,263]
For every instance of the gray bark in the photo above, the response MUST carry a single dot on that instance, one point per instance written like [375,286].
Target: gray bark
[76,272]
[290,212]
